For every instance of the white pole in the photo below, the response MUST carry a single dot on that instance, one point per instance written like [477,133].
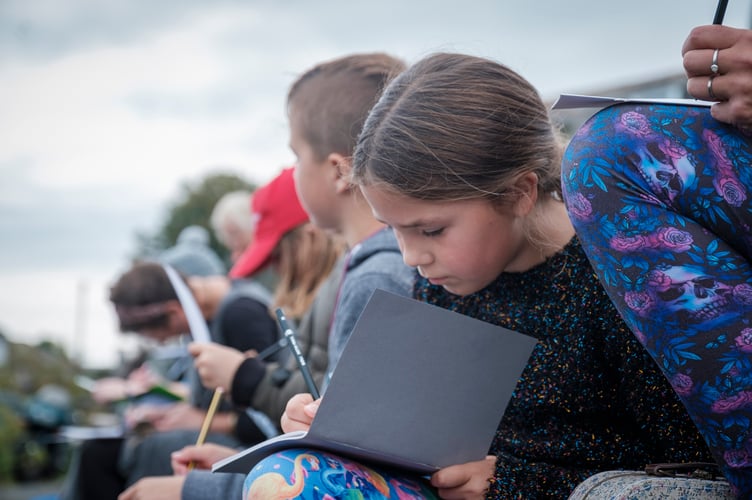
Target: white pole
[79,327]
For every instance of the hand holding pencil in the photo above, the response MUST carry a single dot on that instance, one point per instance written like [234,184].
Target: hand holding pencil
[216,364]
[301,408]
[292,342]
[216,398]
[716,61]
[299,413]
[201,456]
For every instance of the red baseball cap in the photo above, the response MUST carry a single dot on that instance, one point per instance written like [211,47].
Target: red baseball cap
[276,210]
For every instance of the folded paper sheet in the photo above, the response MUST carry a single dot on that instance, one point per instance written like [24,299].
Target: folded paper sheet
[575,101]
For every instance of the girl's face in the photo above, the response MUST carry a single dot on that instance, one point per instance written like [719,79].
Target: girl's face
[460,245]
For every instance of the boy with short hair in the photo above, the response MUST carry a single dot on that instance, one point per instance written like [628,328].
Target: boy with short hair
[327,107]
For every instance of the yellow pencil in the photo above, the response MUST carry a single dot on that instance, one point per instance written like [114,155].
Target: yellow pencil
[208,419]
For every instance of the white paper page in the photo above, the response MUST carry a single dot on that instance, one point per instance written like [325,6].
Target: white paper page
[574,101]
[196,321]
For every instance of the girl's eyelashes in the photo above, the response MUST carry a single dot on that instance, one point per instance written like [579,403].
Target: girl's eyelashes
[432,232]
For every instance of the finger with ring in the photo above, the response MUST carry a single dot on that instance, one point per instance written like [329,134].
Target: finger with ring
[714,64]
[710,88]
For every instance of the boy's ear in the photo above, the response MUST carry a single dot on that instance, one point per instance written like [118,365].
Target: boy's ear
[526,188]
[343,167]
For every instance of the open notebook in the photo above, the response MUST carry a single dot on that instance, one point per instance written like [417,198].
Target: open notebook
[418,387]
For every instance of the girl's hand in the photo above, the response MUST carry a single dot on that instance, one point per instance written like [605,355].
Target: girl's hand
[299,413]
[216,364]
[465,481]
[202,457]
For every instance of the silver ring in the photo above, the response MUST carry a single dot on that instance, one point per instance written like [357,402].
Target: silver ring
[714,63]
[710,88]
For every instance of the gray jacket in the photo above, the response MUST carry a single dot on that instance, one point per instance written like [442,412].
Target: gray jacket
[313,337]
[376,262]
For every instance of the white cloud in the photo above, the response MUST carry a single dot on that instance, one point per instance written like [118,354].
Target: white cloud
[75,119]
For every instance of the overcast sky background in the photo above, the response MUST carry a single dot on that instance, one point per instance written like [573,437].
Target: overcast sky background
[107,106]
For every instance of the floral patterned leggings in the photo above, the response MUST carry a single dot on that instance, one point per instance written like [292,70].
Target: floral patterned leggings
[661,197]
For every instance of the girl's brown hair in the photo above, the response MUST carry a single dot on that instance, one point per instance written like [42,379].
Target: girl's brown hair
[303,258]
[458,127]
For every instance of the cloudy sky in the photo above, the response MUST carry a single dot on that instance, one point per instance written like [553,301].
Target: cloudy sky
[107,106]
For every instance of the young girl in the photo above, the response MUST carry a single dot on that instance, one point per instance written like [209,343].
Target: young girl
[460,158]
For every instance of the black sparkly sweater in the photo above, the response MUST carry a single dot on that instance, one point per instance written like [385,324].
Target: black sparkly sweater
[590,399]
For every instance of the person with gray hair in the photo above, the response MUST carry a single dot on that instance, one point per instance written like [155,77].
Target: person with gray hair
[232,221]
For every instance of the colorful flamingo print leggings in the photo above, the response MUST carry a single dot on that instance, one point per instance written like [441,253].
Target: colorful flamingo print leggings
[661,197]
[317,475]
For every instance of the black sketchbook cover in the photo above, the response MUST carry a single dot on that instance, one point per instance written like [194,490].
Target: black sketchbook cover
[417,387]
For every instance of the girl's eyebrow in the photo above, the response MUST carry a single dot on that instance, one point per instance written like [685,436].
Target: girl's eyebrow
[408,225]
[411,224]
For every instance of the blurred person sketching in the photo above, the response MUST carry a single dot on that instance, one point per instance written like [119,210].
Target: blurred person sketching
[146,303]
[307,261]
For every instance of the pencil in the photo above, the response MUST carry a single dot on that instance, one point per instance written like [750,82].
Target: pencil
[293,343]
[208,419]
[720,11]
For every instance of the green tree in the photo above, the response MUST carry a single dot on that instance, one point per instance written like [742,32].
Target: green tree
[193,206]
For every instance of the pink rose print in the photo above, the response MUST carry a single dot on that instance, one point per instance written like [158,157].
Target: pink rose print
[729,187]
[636,123]
[672,149]
[673,239]
[640,302]
[744,340]
[580,207]
[727,404]
[584,130]
[682,384]
[725,181]
[716,146]
[622,243]
[743,294]
[736,458]
[659,280]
